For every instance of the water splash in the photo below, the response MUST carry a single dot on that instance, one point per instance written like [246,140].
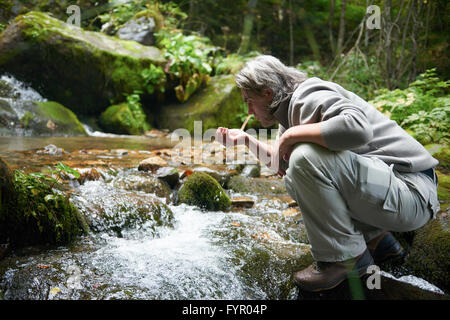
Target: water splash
[23,91]
[181,264]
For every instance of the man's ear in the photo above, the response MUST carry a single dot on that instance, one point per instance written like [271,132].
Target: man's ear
[268,93]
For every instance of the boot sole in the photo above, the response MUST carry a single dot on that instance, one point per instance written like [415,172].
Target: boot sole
[360,275]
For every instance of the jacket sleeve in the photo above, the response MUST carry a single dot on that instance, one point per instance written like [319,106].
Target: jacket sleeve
[344,124]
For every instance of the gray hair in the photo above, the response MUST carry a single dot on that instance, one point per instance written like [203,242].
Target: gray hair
[267,71]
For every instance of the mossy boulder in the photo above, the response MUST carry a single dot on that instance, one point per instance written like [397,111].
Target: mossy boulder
[39,118]
[430,251]
[84,70]
[62,120]
[202,190]
[122,119]
[32,212]
[215,105]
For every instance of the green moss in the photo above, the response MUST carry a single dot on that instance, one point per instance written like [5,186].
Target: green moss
[102,69]
[443,155]
[65,119]
[33,213]
[152,12]
[119,118]
[25,120]
[443,186]
[215,105]
[429,255]
[201,190]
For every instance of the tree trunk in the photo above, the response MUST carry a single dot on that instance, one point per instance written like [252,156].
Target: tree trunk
[291,35]
[330,26]
[248,27]
[341,28]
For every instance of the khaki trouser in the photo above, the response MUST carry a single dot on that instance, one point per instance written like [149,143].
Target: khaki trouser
[347,199]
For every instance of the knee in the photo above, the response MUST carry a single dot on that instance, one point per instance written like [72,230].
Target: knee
[311,154]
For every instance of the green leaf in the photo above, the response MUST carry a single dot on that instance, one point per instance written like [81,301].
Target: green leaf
[67,169]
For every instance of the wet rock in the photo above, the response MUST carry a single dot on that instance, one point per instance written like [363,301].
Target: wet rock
[429,254]
[201,190]
[243,184]
[42,50]
[270,264]
[89,175]
[389,289]
[242,202]
[152,164]
[52,150]
[168,174]
[120,152]
[291,212]
[144,183]
[108,208]
[251,170]
[292,203]
[154,133]
[139,30]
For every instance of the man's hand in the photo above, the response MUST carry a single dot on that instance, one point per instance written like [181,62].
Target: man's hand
[230,137]
[278,153]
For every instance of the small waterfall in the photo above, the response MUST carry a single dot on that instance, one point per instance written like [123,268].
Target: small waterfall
[21,92]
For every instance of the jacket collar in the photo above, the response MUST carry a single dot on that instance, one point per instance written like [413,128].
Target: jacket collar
[281,114]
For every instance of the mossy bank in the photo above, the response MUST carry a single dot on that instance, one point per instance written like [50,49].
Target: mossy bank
[31,212]
[84,70]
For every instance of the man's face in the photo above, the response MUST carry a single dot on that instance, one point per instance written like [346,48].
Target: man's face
[258,105]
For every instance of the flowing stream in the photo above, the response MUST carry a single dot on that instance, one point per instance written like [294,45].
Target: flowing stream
[180,253]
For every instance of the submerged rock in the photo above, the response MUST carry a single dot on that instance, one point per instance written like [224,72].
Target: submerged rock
[202,190]
[145,183]
[108,208]
[52,150]
[84,70]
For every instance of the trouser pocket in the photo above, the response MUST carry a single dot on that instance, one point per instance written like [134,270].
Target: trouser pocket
[375,180]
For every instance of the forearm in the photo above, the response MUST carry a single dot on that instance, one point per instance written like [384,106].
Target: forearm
[304,133]
[261,150]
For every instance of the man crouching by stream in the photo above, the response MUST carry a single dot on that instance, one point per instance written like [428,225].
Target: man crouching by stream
[354,173]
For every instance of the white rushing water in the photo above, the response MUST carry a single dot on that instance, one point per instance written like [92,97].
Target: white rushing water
[182,263]
[23,93]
